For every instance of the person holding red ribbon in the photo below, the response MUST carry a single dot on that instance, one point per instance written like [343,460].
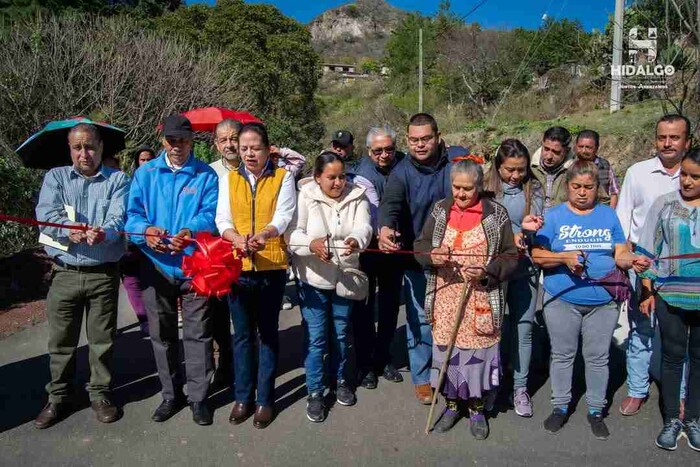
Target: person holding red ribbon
[584,253]
[85,278]
[331,224]
[670,236]
[255,206]
[173,199]
[478,231]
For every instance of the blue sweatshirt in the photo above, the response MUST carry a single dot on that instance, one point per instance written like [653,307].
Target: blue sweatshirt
[411,191]
[172,200]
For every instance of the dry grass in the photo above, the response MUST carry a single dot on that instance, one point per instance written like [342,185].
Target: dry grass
[626,136]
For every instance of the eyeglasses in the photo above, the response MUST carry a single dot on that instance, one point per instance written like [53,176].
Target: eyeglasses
[425,140]
[380,151]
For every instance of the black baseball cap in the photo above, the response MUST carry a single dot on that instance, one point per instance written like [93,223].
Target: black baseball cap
[177,126]
[343,138]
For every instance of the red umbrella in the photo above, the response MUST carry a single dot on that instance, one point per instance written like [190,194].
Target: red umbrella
[206,118]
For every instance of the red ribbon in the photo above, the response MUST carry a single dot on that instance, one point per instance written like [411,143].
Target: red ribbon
[216,264]
[213,267]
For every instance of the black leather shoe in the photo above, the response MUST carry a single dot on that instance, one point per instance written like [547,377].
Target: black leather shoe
[201,413]
[167,409]
[51,414]
[392,374]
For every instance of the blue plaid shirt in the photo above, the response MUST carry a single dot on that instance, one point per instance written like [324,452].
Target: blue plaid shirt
[98,201]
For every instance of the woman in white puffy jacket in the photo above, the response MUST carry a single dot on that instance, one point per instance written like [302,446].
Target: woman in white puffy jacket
[331,224]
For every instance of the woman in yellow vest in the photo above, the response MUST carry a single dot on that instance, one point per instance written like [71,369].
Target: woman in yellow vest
[256,205]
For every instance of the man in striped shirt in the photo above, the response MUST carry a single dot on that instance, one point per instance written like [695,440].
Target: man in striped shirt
[587,144]
[85,276]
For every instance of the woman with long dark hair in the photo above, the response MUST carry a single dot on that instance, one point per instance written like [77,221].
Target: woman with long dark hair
[510,180]
[671,289]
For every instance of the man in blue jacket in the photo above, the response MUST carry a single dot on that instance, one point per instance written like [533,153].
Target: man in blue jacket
[384,272]
[414,185]
[175,194]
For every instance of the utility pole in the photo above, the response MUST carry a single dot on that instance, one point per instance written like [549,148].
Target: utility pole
[616,85]
[420,70]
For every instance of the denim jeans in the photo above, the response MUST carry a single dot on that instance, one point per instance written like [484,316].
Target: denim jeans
[255,309]
[594,325]
[640,344]
[325,319]
[521,300]
[419,337]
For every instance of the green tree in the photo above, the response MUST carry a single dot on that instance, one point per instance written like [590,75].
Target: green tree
[274,54]
[402,50]
[557,42]
[370,66]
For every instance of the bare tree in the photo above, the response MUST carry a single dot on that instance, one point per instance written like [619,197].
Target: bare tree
[108,68]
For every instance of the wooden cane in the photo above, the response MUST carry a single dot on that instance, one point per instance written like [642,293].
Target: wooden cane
[464,299]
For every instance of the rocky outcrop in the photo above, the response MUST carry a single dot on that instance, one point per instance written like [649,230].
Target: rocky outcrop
[356,30]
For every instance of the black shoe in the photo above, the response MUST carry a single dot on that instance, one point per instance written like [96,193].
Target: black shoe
[448,420]
[392,374]
[555,421]
[478,425]
[344,394]
[370,380]
[200,413]
[598,427]
[315,407]
[670,434]
[168,408]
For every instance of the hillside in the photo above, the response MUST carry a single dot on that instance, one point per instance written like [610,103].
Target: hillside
[626,136]
[355,30]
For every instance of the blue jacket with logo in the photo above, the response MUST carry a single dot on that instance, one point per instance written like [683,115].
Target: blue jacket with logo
[184,199]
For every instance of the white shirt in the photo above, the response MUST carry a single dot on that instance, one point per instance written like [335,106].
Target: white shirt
[644,182]
[284,211]
[172,165]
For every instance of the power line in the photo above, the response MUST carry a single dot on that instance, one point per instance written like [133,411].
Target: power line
[524,63]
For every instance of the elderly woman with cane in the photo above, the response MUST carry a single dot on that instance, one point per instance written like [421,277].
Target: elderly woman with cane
[467,246]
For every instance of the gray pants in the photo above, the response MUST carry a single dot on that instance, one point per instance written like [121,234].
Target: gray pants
[160,297]
[595,324]
[521,298]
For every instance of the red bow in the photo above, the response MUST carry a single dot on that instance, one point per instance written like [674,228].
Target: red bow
[213,267]
[469,157]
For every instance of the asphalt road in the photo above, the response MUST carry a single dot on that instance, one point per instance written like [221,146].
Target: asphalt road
[385,427]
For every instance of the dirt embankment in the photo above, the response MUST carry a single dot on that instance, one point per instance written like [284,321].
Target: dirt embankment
[24,282]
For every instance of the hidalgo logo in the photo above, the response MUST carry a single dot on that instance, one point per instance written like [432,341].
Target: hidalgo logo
[639,48]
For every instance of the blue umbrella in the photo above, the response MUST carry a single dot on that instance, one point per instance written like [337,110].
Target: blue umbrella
[48,147]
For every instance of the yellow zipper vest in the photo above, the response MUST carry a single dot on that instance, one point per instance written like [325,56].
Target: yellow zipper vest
[252,211]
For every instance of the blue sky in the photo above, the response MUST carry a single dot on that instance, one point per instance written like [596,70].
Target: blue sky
[501,14]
